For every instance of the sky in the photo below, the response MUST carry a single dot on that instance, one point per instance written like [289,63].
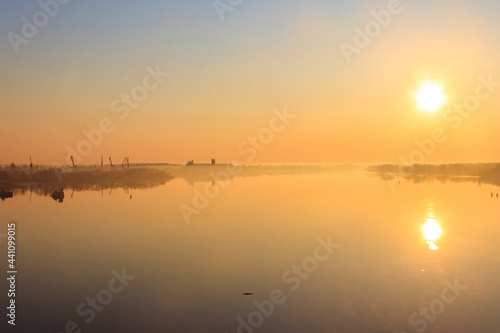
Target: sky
[223,75]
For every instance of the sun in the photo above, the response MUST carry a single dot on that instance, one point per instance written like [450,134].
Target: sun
[430,97]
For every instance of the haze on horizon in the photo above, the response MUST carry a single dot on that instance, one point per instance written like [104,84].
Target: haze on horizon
[225,78]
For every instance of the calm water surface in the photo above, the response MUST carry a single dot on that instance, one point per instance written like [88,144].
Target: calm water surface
[425,257]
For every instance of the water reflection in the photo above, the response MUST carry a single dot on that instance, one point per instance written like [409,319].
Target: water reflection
[45,181]
[431,230]
[481,173]
[245,240]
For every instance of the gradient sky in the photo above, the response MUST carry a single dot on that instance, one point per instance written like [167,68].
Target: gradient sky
[226,77]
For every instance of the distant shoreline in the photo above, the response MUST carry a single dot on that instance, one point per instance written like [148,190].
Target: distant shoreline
[87,177]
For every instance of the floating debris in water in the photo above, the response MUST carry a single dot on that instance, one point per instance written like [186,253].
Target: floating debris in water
[58,195]
[4,195]
[248,294]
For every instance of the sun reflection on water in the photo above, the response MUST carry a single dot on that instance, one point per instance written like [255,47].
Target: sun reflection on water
[431,230]
[432,246]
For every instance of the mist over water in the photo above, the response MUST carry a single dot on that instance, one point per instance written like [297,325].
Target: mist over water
[258,235]
[212,166]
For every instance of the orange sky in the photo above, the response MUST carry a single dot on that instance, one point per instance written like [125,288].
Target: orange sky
[226,78]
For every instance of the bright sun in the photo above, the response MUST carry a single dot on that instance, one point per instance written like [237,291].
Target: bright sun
[430,97]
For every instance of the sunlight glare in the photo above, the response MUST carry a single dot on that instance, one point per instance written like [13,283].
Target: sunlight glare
[432,246]
[430,97]
[431,230]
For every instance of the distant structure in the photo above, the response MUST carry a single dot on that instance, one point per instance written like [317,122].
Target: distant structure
[31,163]
[102,161]
[72,161]
[126,162]
[110,162]
[212,163]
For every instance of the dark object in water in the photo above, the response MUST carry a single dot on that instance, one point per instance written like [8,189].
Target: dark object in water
[248,294]
[4,195]
[58,195]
